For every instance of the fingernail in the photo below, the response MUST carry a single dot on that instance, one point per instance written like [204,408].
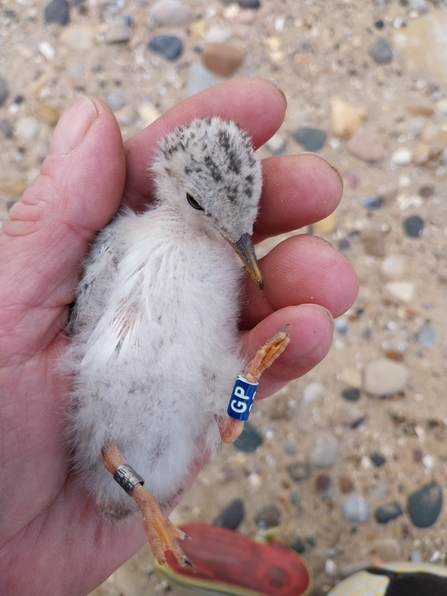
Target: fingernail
[73,125]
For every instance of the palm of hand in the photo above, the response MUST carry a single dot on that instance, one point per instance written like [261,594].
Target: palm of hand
[47,525]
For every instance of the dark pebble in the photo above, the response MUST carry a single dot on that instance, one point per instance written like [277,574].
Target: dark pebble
[413,226]
[168,46]
[249,440]
[4,90]
[6,129]
[344,244]
[418,455]
[345,484]
[425,504]
[268,517]
[386,513]
[372,202]
[10,14]
[312,139]
[298,545]
[324,486]
[381,51]
[128,20]
[311,541]
[231,516]
[57,11]
[19,99]
[379,24]
[249,3]
[426,192]
[298,471]
[357,422]
[351,394]
[377,459]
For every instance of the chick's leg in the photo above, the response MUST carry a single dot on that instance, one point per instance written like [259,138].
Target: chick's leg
[162,534]
[230,428]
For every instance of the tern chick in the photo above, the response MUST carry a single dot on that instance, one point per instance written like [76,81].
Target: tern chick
[154,352]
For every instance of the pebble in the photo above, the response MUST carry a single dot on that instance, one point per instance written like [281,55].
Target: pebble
[313,392]
[366,144]
[47,114]
[78,38]
[425,504]
[427,192]
[419,6]
[402,157]
[426,336]
[268,517]
[119,31]
[168,46]
[325,226]
[402,290]
[148,113]
[298,471]
[116,100]
[413,226]
[6,129]
[345,484]
[249,440]
[386,513]
[277,144]
[377,459]
[27,128]
[372,202]
[4,90]
[312,139]
[374,243]
[168,13]
[298,545]
[324,451]
[341,325]
[351,394]
[324,486]
[387,549]
[394,266]
[249,4]
[127,115]
[356,509]
[346,117]
[351,178]
[381,51]
[231,516]
[384,377]
[222,58]
[199,79]
[57,11]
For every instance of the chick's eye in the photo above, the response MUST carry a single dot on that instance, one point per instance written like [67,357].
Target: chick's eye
[194,204]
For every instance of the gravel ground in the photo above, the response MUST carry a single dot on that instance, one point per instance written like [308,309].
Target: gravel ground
[371,84]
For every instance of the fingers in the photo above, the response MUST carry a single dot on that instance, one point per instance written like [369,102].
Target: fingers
[255,104]
[77,193]
[310,328]
[297,190]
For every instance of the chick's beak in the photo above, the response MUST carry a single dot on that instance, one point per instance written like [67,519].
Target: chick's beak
[246,251]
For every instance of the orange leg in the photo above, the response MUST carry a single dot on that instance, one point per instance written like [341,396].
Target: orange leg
[230,428]
[162,534]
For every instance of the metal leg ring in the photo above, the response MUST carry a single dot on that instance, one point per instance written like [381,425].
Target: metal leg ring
[127,478]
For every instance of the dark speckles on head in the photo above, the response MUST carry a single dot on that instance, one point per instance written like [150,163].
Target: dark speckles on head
[213,168]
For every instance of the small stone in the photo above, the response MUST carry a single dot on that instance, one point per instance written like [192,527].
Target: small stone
[426,192]
[116,100]
[231,516]
[325,226]
[381,51]
[394,266]
[356,509]
[313,392]
[12,187]
[366,144]
[47,50]
[384,377]
[374,243]
[4,90]
[372,202]
[426,336]
[78,38]
[57,11]
[298,471]
[377,459]
[48,114]
[419,109]
[324,451]
[222,58]
[324,486]
[346,485]
[387,549]
[419,6]
[425,504]
[268,517]
[168,46]
[402,157]
[276,144]
[249,4]
[6,129]
[168,13]
[199,79]
[351,178]
[127,115]
[298,545]
[386,513]
[118,32]
[312,139]
[249,440]
[352,377]
[330,567]
[346,117]
[341,325]
[148,113]
[402,290]
[27,128]
[351,394]
[414,226]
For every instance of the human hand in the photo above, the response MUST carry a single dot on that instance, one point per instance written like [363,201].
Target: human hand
[51,539]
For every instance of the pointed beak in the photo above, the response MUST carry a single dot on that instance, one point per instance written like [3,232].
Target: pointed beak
[246,251]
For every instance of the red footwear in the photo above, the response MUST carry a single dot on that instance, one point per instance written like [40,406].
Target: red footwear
[226,562]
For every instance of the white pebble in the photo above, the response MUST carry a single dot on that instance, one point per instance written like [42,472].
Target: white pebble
[402,157]
[324,452]
[356,509]
[313,392]
[384,377]
[394,266]
[402,290]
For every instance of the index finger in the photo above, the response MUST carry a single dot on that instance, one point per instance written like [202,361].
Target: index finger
[255,104]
